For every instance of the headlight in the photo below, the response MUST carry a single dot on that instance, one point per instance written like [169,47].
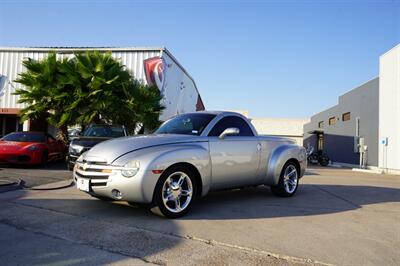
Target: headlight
[75,148]
[131,169]
[33,148]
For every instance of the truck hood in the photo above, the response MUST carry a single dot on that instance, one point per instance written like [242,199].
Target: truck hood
[108,151]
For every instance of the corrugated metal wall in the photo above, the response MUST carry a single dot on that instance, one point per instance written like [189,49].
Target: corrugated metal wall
[11,66]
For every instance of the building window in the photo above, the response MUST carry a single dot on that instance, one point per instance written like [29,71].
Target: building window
[332,120]
[346,116]
[320,143]
[321,124]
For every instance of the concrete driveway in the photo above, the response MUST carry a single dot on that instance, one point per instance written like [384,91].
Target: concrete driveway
[337,217]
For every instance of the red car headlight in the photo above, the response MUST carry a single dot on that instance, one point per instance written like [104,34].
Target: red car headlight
[33,148]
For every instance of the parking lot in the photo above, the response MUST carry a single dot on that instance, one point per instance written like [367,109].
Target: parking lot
[337,217]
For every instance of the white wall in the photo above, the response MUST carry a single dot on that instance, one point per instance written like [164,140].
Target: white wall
[282,127]
[362,103]
[180,93]
[389,109]
[291,128]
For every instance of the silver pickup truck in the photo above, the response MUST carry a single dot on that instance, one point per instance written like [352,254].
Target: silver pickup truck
[188,156]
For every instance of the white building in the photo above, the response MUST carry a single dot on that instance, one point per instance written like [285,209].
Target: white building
[150,65]
[291,128]
[369,115]
[389,109]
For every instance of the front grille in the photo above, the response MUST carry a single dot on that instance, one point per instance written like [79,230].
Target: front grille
[93,162]
[97,174]
[105,177]
[102,184]
[79,167]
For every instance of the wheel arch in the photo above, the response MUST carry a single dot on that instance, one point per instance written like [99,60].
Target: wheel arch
[196,172]
[279,157]
[296,163]
[192,168]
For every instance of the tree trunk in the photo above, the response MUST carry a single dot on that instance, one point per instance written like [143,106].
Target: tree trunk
[64,133]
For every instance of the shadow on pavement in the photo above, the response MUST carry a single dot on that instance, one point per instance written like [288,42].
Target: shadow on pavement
[248,203]
[309,200]
[60,165]
[75,232]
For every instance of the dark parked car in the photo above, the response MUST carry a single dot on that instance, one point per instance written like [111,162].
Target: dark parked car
[93,135]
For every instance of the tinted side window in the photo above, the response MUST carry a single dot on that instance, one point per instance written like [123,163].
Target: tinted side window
[231,121]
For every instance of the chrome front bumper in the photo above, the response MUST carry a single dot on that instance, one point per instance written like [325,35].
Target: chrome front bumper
[104,180]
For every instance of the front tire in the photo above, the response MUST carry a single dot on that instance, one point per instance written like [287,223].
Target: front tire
[175,192]
[70,166]
[323,161]
[288,181]
[45,158]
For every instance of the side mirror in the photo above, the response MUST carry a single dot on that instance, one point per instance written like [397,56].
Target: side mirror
[229,131]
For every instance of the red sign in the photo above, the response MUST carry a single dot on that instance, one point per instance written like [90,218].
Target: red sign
[155,72]
[10,111]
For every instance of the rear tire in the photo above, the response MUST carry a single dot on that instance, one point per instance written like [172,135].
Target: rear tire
[313,159]
[288,181]
[323,161]
[175,192]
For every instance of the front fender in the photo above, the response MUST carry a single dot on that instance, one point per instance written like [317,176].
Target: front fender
[195,155]
[162,157]
[279,157]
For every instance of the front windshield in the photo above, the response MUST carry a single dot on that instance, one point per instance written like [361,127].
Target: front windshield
[104,131]
[187,124]
[25,137]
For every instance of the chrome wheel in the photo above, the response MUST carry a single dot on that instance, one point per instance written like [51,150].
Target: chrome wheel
[177,192]
[290,178]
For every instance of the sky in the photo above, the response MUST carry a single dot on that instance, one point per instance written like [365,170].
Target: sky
[273,58]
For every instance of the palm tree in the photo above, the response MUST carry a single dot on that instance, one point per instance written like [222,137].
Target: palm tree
[108,92]
[42,93]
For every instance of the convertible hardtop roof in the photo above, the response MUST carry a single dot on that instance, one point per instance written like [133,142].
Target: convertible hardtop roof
[216,112]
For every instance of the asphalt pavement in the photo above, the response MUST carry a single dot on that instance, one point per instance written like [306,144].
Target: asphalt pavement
[33,175]
[337,217]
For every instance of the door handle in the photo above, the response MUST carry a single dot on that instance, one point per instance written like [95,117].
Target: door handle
[258,146]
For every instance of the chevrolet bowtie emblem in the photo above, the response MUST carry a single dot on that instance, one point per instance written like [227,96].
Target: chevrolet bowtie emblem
[84,166]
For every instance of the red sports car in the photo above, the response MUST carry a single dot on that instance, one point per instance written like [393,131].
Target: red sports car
[30,147]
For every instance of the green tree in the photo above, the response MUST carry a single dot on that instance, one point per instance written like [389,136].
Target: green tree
[91,87]
[106,91]
[42,93]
